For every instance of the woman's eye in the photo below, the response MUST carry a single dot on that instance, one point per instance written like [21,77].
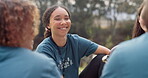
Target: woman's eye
[66,18]
[57,19]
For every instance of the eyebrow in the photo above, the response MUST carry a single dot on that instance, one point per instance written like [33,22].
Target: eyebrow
[59,16]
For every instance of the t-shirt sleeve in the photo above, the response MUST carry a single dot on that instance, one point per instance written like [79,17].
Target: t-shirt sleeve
[86,47]
[112,68]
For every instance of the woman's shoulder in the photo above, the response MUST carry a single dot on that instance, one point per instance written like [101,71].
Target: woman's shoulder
[46,40]
[74,36]
[45,45]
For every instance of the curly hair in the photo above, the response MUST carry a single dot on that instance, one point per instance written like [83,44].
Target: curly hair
[46,18]
[19,22]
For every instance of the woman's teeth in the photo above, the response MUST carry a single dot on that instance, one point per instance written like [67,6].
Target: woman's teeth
[62,28]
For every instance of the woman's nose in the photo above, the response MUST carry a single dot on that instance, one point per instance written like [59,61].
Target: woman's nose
[63,22]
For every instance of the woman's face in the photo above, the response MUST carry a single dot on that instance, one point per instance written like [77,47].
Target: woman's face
[60,22]
[143,18]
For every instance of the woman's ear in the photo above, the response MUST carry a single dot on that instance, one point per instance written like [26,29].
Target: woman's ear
[142,24]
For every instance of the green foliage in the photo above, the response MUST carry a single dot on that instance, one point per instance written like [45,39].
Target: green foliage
[109,42]
[128,9]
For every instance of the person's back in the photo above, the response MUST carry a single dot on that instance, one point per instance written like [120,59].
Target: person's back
[23,63]
[19,20]
[128,60]
[135,54]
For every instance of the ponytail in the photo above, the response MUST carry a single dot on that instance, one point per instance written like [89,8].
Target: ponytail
[47,32]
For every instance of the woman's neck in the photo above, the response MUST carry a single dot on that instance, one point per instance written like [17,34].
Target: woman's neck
[60,41]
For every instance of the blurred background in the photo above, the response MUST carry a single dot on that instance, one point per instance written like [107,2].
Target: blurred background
[106,22]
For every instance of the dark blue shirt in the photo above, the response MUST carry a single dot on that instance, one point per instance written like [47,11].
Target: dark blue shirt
[68,57]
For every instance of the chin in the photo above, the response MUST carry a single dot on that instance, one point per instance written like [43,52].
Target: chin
[63,35]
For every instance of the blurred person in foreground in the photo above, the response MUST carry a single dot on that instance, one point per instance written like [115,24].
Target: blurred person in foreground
[19,21]
[129,59]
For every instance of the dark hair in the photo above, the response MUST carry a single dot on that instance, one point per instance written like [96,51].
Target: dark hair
[137,30]
[19,22]
[46,18]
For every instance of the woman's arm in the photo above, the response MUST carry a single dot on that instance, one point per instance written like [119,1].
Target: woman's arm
[102,50]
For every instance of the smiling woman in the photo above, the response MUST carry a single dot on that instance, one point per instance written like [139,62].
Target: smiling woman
[60,24]
[57,17]
[66,49]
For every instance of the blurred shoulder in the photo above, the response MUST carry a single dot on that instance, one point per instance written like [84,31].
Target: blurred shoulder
[41,57]
[135,42]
